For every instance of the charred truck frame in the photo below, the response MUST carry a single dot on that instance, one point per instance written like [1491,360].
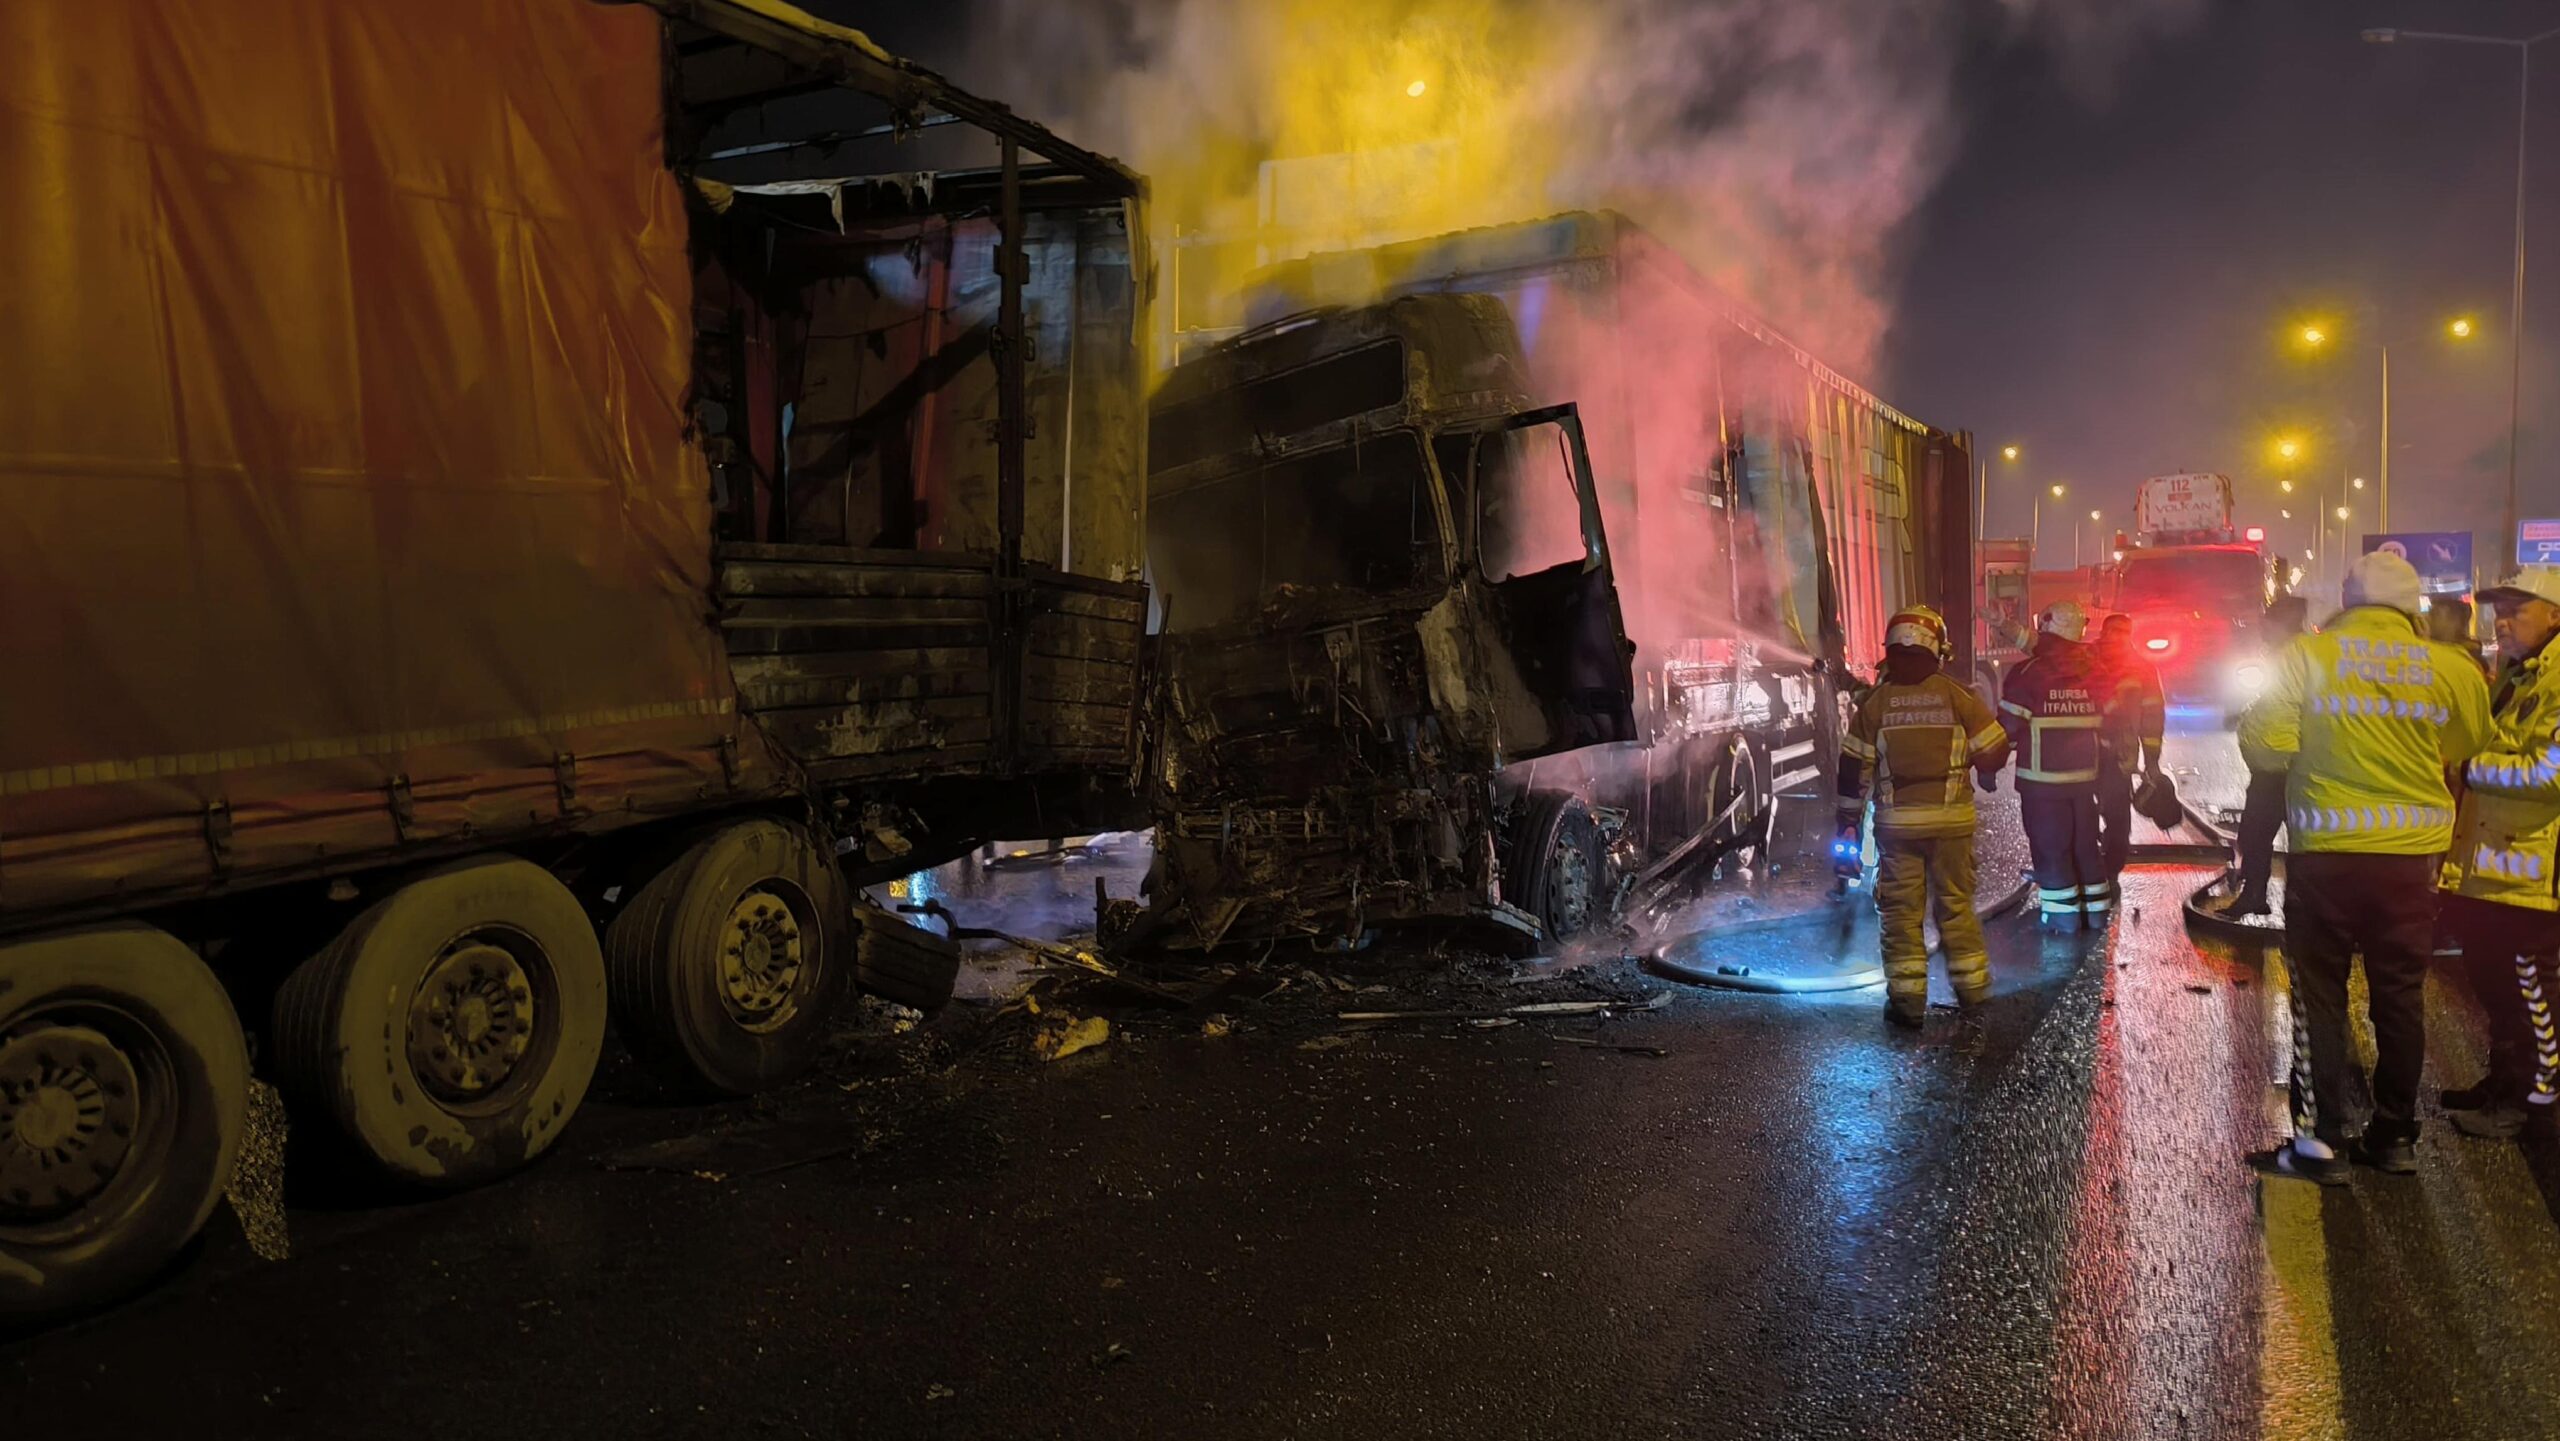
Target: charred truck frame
[496,525]
[1763,517]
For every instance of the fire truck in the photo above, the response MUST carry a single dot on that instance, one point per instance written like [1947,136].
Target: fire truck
[2197,590]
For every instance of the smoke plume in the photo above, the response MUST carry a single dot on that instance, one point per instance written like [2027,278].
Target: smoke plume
[1778,144]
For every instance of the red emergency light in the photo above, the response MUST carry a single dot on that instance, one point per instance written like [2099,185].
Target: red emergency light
[2157,642]
[2254,534]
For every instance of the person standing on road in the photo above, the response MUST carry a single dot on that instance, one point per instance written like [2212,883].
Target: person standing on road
[2137,721]
[2500,875]
[2052,707]
[2449,620]
[2262,812]
[1915,737]
[2371,714]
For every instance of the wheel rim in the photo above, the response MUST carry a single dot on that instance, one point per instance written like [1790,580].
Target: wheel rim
[763,954]
[1569,884]
[70,1109]
[474,1018]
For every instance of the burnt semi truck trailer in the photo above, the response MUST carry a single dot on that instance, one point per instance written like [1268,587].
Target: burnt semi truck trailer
[1490,411]
[499,531]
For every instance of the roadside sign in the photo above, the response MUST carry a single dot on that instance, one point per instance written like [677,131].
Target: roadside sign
[2538,542]
[2442,557]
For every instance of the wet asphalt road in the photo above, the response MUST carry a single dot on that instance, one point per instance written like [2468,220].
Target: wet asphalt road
[2030,1223]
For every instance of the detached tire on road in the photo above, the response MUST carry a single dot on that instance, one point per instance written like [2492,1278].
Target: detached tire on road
[906,964]
[450,1031]
[728,966]
[1557,869]
[124,1082]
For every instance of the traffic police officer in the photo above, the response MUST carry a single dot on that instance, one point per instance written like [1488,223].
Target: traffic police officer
[2371,713]
[1915,736]
[2501,873]
[2052,707]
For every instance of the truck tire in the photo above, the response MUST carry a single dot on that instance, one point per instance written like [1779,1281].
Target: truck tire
[903,963]
[449,1032]
[728,965]
[1744,772]
[1557,869]
[124,1084]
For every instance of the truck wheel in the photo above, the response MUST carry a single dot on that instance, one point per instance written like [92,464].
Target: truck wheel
[124,1081]
[1745,775]
[449,1032]
[728,965]
[1559,865]
[906,964]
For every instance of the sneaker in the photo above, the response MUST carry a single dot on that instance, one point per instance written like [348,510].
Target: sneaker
[2284,1160]
[2392,1155]
[2243,905]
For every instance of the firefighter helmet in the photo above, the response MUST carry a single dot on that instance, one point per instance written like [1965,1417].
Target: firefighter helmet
[2065,618]
[1920,627]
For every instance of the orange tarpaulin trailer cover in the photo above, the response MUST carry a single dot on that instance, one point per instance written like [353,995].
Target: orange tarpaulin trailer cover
[345,497]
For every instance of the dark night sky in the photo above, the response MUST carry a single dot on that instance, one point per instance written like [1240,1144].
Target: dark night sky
[2106,280]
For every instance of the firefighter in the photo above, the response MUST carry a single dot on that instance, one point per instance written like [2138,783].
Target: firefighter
[2369,713]
[2137,719]
[2500,873]
[1912,742]
[2262,813]
[2052,707]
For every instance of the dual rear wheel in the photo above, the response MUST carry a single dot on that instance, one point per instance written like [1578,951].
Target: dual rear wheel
[444,1037]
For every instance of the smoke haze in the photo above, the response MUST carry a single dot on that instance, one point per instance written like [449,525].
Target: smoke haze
[1779,144]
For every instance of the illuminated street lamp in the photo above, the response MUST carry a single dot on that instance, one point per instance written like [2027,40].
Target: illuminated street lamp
[2515,312]
[2314,337]
[2460,328]
[2358,482]
[2285,485]
[2288,448]
[1982,493]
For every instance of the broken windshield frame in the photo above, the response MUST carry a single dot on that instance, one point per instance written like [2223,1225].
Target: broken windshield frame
[1363,518]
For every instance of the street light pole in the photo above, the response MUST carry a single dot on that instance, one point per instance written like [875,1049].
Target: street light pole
[2385,502]
[2515,302]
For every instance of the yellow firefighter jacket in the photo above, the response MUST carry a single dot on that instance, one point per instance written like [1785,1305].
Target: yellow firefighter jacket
[2508,823]
[1916,742]
[2370,713]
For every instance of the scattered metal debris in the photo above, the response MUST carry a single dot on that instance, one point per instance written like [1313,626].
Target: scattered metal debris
[1621,1047]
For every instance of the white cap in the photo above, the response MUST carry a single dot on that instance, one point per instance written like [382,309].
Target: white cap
[2534,582]
[2066,619]
[2380,578]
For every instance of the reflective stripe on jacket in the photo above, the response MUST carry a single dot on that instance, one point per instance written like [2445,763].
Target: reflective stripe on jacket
[2508,825]
[2052,707]
[1917,742]
[2368,714]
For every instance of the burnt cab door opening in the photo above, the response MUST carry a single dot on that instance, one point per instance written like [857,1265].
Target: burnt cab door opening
[1561,677]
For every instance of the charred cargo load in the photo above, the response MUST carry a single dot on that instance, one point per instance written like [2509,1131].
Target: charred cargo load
[497,523]
[1763,516]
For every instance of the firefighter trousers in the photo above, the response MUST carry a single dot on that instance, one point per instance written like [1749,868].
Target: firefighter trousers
[2115,816]
[2509,954]
[1911,872]
[2337,904]
[2072,881]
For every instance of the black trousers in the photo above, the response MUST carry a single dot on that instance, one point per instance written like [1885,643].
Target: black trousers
[2261,816]
[2337,904]
[2062,842]
[2508,955]
[2115,816]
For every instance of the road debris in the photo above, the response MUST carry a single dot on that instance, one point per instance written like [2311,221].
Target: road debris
[1654,1002]
[1217,1026]
[1067,1035]
[1621,1047]
[1112,1355]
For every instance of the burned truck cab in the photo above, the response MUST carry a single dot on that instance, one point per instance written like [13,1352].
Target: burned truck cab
[1383,578]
